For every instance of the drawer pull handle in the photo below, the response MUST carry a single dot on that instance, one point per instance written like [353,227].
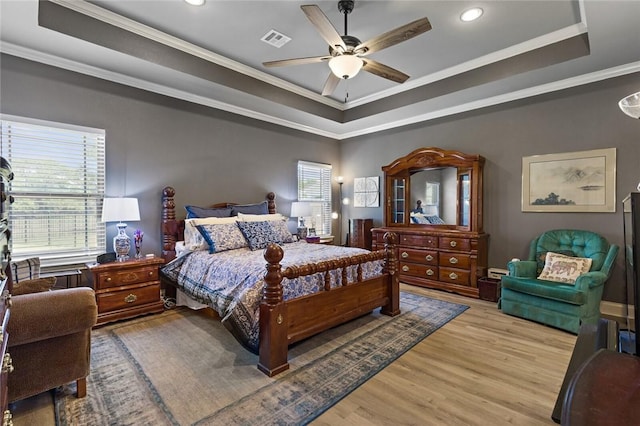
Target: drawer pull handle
[453,244]
[428,257]
[108,279]
[405,268]
[404,255]
[453,276]
[7,363]
[131,298]
[453,260]
[150,273]
[7,418]
[430,272]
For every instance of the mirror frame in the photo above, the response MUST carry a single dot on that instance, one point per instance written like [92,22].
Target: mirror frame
[428,158]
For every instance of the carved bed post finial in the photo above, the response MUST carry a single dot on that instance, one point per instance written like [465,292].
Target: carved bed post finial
[391,265]
[271,202]
[274,324]
[169,224]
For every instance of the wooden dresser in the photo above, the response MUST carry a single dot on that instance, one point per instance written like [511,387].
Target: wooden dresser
[360,233]
[127,289]
[445,260]
[6,176]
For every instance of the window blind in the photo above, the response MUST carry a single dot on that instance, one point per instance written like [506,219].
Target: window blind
[314,186]
[58,188]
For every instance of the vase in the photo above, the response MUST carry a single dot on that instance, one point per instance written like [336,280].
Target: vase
[122,243]
[138,246]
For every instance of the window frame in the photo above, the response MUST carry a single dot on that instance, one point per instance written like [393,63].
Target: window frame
[320,198]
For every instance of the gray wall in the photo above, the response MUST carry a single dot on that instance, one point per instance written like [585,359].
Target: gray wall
[153,141]
[211,156]
[577,119]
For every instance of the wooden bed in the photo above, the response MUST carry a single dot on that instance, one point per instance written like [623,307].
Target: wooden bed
[285,322]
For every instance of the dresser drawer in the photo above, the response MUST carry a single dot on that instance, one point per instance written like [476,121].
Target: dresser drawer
[427,257]
[128,298]
[456,260]
[419,241]
[462,244]
[455,276]
[129,276]
[417,270]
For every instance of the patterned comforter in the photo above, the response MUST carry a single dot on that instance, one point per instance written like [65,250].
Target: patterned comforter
[231,281]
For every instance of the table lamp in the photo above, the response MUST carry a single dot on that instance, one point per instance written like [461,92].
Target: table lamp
[119,210]
[300,209]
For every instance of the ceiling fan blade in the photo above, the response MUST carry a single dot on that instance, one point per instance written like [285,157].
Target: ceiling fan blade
[296,61]
[323,26]
[384,71]
[330,85]
[393,37]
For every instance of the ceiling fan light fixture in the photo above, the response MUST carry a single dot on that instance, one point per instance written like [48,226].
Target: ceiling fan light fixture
[471,14]
[630,105]
[345,66]
[195,2]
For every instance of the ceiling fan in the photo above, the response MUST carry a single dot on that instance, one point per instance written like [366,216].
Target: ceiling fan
[347,54]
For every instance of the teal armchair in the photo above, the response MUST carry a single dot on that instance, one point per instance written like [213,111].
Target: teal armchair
[560,305]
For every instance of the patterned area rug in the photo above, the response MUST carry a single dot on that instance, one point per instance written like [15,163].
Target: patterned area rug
[184,368]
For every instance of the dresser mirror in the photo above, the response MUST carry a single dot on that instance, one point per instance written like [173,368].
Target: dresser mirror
[432,187]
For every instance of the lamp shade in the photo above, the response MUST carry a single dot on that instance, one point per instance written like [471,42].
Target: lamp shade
[631,105]
[120,209]
[300,209]
[345,66]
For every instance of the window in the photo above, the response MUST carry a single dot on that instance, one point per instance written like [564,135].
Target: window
[314,186]
[432,198]
[58,189]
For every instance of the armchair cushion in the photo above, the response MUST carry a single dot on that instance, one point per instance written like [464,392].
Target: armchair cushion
[564,269]
[33,286]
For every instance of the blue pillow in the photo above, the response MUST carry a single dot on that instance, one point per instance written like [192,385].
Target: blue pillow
[435,220]
[195,211]
[258,208]
[222,236]
[259,234]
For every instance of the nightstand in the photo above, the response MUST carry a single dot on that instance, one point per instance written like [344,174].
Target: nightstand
[127,289]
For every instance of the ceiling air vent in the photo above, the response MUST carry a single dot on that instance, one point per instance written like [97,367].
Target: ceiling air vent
[276,39]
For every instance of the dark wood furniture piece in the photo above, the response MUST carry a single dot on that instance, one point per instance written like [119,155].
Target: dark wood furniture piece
[6,175]
[285,322]
[489,289]
[360,233]
[127,289]
[450,256]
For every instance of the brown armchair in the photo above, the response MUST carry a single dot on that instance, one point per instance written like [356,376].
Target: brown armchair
[50,340]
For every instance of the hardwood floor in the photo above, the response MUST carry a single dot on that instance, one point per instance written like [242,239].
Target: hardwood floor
[482,368]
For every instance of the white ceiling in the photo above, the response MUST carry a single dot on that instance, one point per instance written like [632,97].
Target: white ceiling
[213,55]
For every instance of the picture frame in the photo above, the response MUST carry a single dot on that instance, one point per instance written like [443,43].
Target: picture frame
[366,192]
[583,181]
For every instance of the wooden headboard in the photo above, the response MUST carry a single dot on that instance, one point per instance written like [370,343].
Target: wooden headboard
[173,229]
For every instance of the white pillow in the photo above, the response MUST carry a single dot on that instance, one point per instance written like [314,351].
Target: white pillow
[193,239]
[564,269]
[260,217]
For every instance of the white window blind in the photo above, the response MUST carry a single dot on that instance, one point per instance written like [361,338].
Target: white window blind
[58,188]
[314,186]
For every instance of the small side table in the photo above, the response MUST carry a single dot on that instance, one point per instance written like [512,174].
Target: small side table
[489,289]
[127,289]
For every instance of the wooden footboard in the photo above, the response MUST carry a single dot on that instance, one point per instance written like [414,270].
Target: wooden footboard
[285,322]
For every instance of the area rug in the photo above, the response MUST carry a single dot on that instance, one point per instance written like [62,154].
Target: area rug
[184,368]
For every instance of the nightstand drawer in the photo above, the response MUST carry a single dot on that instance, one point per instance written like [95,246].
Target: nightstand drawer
[128,298]
[128,276]
[427,257]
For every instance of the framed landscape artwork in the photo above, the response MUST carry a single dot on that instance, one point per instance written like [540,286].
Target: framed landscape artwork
[582,181]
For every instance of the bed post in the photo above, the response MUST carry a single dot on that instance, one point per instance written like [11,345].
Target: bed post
[169,224]
[271,202]
[390,267]
[273,316]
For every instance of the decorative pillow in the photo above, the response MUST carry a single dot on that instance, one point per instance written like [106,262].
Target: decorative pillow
[33,286]
[193,239]
[419,218]
[222,236]
[28,269]
[258,208]
[259,234]
[564,269]
[435,220]
[261,217]
[541,257]
[281,231]
[195,211]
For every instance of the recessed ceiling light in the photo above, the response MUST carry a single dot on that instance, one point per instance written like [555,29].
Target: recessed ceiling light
[195,2]
[471,14]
